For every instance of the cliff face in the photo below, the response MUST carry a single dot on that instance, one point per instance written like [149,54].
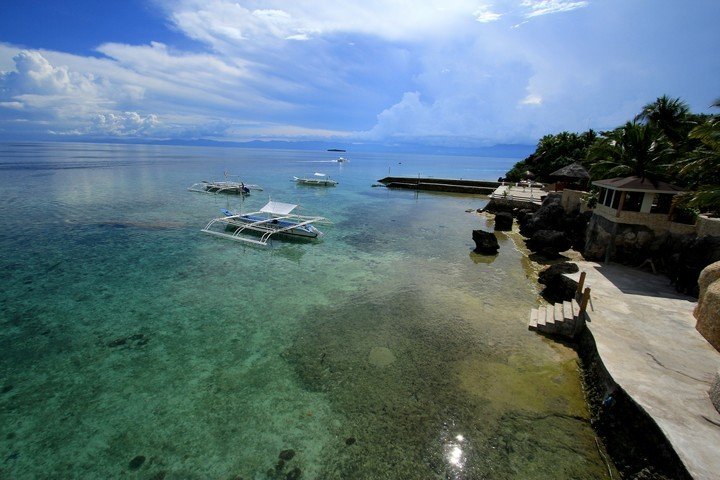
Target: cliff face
[707,311]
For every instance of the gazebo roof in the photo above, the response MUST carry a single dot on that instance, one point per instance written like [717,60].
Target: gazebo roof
[638,184]
[574,170]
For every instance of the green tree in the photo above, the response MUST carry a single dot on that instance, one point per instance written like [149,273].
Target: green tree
[553,152]
[669,115]
[701,168]
[633,149]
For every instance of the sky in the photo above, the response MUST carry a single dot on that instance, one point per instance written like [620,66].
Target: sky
[455,73]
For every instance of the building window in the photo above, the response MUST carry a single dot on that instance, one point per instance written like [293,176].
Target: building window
[661,203]
[616,199]
[601,195]
[608,198]
[633,201]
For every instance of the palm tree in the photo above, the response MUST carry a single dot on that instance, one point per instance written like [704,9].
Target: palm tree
[633,149]
[670,115]
[701,167]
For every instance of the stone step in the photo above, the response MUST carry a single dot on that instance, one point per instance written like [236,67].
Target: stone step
[558,312]
[568,314]
[541,318]
[532,325]
[549,326]
[575,308]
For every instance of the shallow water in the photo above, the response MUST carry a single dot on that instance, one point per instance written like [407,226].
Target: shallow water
[385,350]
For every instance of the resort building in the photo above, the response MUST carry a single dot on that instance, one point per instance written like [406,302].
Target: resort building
[639,201]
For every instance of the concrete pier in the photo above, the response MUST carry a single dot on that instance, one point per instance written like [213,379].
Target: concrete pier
[478,187]
[646,339]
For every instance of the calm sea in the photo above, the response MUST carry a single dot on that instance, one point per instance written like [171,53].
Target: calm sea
[134,346]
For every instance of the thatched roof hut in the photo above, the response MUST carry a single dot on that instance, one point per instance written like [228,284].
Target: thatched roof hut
[572,172]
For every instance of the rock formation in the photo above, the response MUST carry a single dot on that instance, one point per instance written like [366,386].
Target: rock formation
[558,288]
[707,311]
[485,242]
[503,222]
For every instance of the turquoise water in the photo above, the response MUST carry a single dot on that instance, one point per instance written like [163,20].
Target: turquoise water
[134,346]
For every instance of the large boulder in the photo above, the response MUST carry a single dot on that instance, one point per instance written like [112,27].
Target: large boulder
[485,242]
[558,287]
[503,222]
[551,216]
[549,242]
[706,312]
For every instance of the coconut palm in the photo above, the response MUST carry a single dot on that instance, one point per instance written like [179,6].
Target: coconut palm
[670,115]
[701,167]
[633,149]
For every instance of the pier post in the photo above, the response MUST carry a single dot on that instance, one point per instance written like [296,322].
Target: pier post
[584,302]
[581,284]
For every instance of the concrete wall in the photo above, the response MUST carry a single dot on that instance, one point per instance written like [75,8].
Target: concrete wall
[658,222]
[572,200]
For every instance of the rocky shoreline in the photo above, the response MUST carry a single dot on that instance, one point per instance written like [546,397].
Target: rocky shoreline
[635,444]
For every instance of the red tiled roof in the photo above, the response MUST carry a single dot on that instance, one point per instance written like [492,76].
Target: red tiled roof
[637,184]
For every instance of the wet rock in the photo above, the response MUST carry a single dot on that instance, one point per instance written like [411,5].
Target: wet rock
[485,242]
[117,342]
[287,454]
[136,462]
[549,242]
[503,222]
[293,474]
[350,441]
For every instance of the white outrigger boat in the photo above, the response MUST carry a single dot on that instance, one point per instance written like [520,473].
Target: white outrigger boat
[224,186]
[342,160]
[319,179]
[275,218]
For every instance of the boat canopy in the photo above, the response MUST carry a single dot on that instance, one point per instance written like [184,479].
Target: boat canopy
[278,208]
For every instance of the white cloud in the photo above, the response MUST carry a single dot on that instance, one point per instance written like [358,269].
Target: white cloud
[545,7]
[483,14]
[532,99]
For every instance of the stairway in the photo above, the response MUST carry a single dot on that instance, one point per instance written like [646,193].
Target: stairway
[566,319]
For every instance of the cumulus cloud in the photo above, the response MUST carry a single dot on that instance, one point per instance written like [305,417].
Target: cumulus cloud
[435,71]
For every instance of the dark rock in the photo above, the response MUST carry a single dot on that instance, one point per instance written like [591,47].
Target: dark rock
[522,213]
[117,342]
[350,441]
[553,271]
[136,462]
[485,242]
[7,388]
[548,242]
[159,475]
[287,454]
[503,221]
[293,474]
[558,287]
[551,216]
[280,465]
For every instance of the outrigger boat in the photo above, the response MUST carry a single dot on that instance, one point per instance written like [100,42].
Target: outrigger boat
[275,218]
[318,179]
[342,160]
[224,186]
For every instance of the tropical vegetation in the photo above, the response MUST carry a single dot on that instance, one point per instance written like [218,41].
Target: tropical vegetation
[665,141]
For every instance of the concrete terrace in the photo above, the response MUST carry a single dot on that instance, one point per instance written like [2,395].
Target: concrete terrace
[519,193]
[646,338]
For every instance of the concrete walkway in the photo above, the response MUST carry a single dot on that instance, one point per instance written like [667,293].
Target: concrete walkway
[645,335]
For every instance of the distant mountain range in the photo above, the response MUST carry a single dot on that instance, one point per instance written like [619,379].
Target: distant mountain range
[505,151]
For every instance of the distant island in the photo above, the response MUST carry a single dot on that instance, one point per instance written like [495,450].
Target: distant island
[335,150]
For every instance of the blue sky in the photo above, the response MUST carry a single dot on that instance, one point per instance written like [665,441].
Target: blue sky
[435,72]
